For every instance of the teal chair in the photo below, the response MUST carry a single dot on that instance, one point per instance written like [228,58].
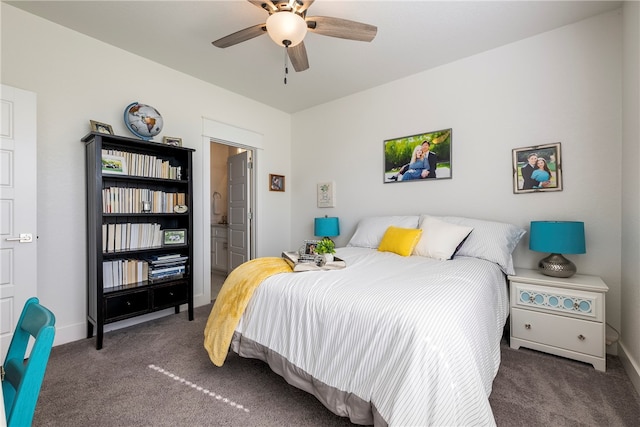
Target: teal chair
[23,378]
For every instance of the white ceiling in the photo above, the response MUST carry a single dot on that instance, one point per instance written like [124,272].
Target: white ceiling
[412,36]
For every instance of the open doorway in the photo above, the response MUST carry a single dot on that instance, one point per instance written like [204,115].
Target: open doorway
[231,206]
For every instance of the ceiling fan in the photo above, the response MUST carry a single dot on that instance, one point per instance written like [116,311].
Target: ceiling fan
[288,23]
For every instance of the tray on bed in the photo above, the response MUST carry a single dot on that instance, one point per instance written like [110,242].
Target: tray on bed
[299,264]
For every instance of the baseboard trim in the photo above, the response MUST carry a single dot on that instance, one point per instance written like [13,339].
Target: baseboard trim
[630,366]
[78,331]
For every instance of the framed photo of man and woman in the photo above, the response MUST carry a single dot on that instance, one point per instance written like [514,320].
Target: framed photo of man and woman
[419,157]
[537,168]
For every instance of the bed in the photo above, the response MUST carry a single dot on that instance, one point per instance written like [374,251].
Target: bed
[395,338]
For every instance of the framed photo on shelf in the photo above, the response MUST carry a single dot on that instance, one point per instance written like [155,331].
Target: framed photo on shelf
[276,182]
[101,127]
[170,140]
[420,157]
[537,168]
[114,165]
[176,236]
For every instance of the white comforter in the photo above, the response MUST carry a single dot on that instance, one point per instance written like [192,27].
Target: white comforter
[416,337]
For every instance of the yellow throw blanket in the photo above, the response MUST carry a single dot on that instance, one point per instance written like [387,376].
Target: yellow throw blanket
[233,299]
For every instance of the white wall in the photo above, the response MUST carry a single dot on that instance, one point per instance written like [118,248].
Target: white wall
[630,295]
[561,86]
[77,78]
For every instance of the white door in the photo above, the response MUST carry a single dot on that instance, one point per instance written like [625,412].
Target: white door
[18,249]
[239,167]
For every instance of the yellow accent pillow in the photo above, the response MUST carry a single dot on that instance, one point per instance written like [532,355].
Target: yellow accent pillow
[400,240]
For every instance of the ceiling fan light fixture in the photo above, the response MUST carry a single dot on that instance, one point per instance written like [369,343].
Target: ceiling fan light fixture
[286,28]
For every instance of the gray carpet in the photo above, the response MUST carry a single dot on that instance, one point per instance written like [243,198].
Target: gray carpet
[158,374]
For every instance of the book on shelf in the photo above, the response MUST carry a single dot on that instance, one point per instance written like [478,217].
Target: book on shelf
[304,264]
[147,165]
[121,200]
[124,272]
[131,236]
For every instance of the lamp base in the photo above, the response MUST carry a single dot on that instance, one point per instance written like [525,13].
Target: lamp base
[555,265]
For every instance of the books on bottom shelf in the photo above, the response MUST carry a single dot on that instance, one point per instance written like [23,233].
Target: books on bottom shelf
[293,259]
[122,272]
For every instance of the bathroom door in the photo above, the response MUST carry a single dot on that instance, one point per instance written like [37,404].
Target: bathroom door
[240,215]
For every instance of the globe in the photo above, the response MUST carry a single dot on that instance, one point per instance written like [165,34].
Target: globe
[142,120]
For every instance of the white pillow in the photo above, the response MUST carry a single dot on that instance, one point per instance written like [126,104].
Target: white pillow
[371,229]
[490,240]
[440,239]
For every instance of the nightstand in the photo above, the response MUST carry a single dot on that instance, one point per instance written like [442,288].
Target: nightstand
[565,317]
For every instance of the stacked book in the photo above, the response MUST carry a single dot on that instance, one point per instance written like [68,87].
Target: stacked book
[167,267]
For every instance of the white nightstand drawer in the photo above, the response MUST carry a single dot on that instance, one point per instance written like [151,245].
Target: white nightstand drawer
[578,335]
[566,302]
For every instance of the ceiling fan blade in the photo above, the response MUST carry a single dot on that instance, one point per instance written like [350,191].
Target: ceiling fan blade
[341,28]
[264,4]
[302,5]
[241,36]
[298,56]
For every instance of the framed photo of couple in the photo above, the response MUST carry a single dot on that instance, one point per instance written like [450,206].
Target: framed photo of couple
[537,168]
[418,157]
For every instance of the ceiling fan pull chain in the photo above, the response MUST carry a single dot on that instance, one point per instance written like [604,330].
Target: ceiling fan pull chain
[286,66]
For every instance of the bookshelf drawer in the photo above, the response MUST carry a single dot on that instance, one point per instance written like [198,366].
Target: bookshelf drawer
[125,305]
[167,296]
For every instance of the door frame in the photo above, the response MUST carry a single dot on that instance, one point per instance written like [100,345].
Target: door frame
[221,133]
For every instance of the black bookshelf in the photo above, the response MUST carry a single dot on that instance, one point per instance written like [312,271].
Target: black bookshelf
[124,236]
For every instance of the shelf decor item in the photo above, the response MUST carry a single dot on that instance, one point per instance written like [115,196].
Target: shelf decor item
[101,127]
[557,238]
[114,165]
[171,140]
[174,237]
[143,120]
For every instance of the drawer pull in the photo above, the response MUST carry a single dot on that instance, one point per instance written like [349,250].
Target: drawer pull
[170,294]
[581,337]
[128,303]
[527,325]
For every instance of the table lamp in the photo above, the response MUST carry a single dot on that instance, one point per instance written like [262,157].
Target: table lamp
[326,227]
[557,238]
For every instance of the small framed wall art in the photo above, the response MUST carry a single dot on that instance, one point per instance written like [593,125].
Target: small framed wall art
[276,182]
[101,127]
[326,195]
[421,157]
[537,168]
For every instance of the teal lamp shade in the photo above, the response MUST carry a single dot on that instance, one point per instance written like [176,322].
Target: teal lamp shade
[557,238]
[326,227]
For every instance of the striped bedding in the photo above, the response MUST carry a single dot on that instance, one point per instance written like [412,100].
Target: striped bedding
[389,340]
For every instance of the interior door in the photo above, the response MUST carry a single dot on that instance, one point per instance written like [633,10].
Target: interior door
[18,221]
[240,216]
